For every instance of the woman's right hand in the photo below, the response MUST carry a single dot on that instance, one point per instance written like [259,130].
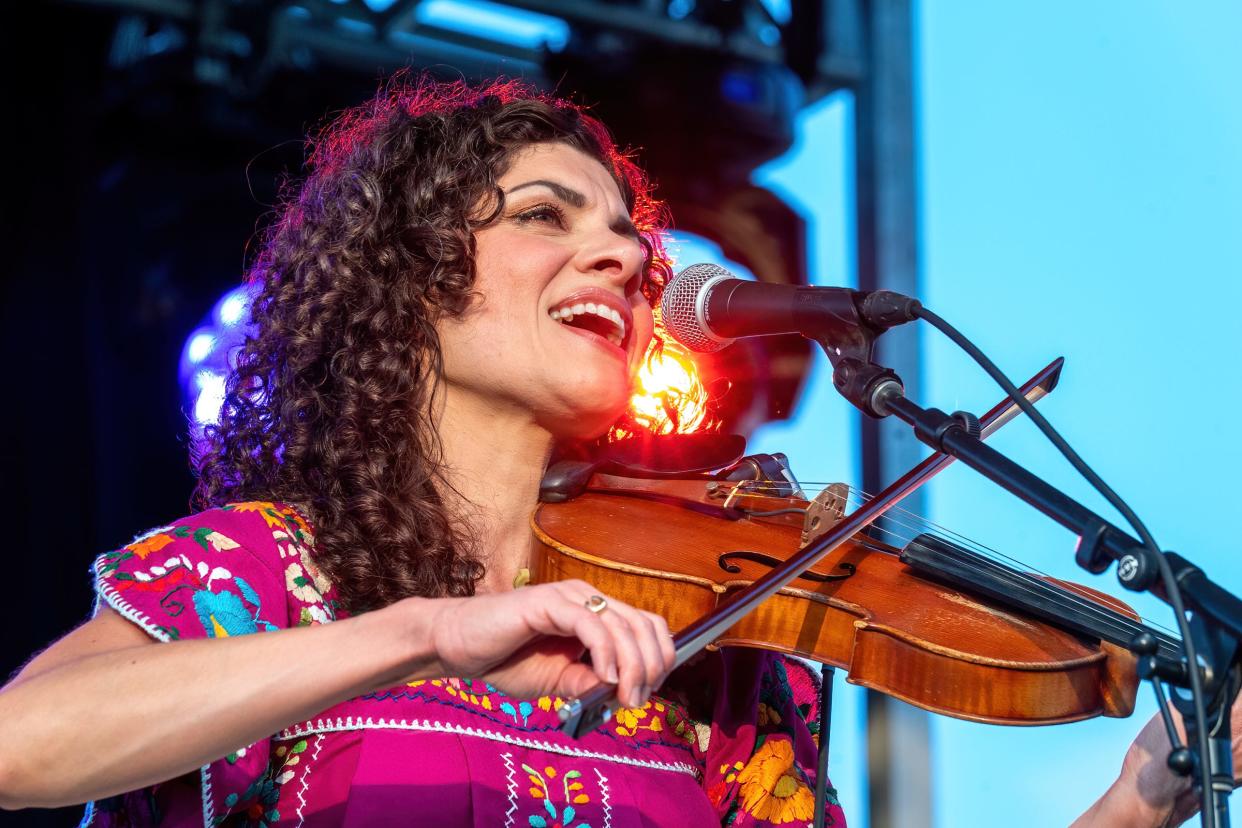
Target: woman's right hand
[530,642]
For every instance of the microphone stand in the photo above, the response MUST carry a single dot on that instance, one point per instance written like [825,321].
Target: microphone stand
[1216,622]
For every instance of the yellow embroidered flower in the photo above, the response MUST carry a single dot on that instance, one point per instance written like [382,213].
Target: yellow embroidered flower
[771,790]
[146,546]
[730,771]
[546,703]
[628,718]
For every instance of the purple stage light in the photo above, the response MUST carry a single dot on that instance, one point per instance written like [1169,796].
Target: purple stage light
[208,357]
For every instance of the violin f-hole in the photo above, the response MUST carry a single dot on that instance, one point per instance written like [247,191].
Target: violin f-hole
[726,563]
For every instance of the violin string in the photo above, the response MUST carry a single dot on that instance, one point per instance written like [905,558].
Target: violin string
[1025,579]
[983,554]
[988,552]
[1019,582]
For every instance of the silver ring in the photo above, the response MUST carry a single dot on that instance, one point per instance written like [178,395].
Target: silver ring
[596,604]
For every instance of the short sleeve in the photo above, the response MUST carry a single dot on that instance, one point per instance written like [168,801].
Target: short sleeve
[240,569]
[760,758]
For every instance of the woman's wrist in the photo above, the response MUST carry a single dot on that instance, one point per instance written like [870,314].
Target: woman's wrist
[1125,804]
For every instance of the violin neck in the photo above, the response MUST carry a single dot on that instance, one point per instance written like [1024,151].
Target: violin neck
[972,572]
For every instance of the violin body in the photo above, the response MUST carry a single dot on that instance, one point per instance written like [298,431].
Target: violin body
[656,545]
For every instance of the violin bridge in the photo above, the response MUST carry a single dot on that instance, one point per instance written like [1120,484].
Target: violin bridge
[824,512]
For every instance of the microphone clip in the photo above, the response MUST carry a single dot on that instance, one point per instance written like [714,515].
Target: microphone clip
[867,386]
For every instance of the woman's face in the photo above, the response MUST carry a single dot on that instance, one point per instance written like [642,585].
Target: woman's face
[559,327]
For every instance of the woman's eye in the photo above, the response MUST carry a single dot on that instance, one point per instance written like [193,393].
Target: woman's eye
[543,214]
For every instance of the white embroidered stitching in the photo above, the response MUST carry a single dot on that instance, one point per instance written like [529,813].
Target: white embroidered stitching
[209,809]
[603,798]
[127,609]
[426,725]
[306,770]
[508,757]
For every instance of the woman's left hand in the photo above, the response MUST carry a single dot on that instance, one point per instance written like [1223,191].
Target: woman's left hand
[1146,792]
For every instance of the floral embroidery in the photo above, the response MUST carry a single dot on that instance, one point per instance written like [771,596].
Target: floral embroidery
[630,720]
[300,585]
[221,612]
[719,792]
[264,793]
[224,613]
[463,691]
[546,703]
[304,580]
[772,788]
[150,543]
[541,788]
[697,734]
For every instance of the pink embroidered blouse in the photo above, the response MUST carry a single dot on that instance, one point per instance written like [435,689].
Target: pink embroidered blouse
[726,743]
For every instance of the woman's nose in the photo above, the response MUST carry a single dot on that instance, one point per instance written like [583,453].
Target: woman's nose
[613,256]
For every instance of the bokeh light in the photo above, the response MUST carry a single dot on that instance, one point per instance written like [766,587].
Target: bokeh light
[669,397]
[208,358]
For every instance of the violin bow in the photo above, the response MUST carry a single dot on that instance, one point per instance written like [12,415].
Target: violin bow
[588,711]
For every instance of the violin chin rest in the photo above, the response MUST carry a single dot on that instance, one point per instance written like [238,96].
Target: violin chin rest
[645,456]
[671,455]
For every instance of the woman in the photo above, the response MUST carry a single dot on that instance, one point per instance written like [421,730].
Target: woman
[461,285]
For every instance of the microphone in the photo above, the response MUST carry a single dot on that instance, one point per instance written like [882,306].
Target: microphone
[705,308]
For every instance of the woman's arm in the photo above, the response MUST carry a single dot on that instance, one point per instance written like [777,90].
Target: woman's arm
[1146,794]
[101,712]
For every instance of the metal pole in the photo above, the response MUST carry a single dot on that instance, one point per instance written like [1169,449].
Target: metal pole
[898,766]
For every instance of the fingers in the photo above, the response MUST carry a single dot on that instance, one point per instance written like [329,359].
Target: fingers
[639,647]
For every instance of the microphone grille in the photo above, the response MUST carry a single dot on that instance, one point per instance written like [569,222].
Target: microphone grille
[680,307]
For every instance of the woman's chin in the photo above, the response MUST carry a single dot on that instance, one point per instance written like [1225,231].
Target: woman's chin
[587,424]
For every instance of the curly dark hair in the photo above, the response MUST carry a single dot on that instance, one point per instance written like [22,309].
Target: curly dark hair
[326,408]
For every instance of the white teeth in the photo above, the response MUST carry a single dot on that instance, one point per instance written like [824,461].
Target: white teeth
[566,313]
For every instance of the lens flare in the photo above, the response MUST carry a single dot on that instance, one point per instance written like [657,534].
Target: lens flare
[669,397]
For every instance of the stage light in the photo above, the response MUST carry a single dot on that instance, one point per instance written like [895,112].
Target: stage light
[200,346]
[232,308]
[208,358]
[494,21]
[210,398]
[669,397]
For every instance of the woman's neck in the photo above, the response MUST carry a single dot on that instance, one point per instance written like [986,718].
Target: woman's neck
[494,458]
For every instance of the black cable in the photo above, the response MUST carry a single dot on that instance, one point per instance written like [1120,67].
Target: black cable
[1172,591]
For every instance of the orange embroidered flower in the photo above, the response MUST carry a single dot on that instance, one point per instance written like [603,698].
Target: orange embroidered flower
[251,506]
[771,789]
[146,546]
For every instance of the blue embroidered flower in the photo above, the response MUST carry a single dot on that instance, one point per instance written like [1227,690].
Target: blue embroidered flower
[223,614]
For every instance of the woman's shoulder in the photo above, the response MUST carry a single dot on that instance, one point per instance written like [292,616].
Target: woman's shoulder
[241,567]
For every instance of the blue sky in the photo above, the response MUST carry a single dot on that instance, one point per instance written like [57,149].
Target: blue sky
[1081,195]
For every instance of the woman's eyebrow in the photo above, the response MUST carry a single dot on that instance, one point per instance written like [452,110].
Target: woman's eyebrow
[621,225]
[569,196]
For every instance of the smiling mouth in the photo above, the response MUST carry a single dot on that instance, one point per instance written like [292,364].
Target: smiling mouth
[600,320]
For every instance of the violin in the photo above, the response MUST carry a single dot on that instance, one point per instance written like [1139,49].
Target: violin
[745,563]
